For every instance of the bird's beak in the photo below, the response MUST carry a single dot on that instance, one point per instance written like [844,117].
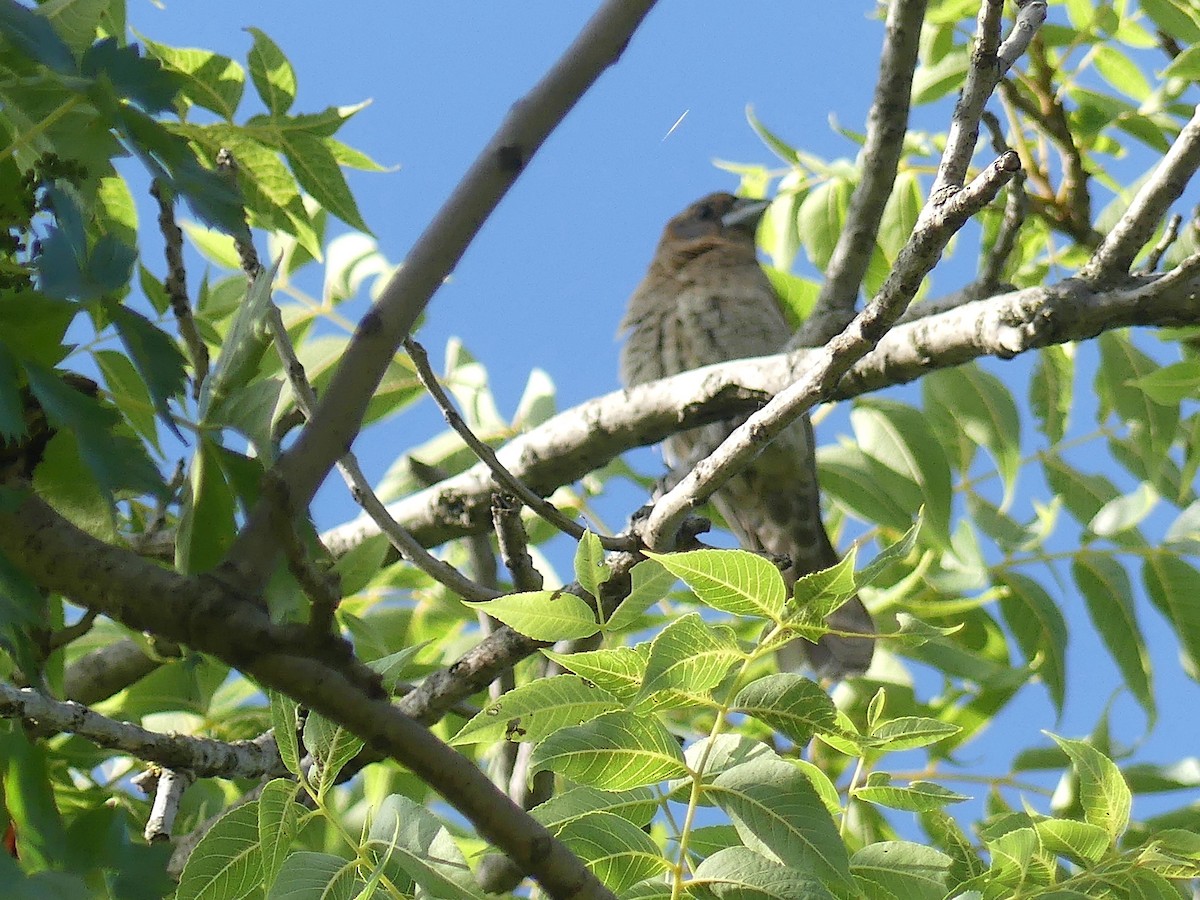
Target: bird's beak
[745,213]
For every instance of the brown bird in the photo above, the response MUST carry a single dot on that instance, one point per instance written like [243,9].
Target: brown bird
[704,300]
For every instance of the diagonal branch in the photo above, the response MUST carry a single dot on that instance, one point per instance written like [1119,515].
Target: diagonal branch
[939,221]
[1120,246]
[339,415]
[886,127]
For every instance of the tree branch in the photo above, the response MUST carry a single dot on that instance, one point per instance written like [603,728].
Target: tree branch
[578,440]
[1122,244]
[201,756]
[339,415]
[887,124]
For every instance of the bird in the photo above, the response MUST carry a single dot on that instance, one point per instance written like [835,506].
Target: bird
[705,299]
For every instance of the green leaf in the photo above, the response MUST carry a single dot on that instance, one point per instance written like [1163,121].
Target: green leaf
[156,357]
[618,670]
[590,569]
[332,746]
[972,403]
[651,582]
[1080,842]
[776,811]
[821,217]
[208,79]
[916,796]
[317,170]
[272,74]
[1041,632]
[1177,382]
[278,822]
[113,456]
[737,873]
[1173,586]
[62,481]
[794,706]
[1109,595]
[33,35]
[1174,17]
[819,594]
[533,711]
[848,475]
[935,81]
[616,851]
[689,655]
[129,392]
[227,862]
[733,581]
[615,752]
[542,615]
[285,725]
[910,732]
[207,523]
[1124,513]
[1083,494]
[1051,390]
[414,841]
[908,459]
[306,875]
[1102,791]
[29,800]
[902,869]
[1121,72]
[1121,366]
[637,806]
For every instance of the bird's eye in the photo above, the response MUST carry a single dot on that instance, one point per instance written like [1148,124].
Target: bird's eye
[706,213]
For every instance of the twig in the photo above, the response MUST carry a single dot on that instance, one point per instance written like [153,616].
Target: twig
[1030,16]
[168,793]
[64,636]
[993,262]
[201,756]
[1170,233]
[340,414]
[887,124]
[360,488]
[941,218]
[176,287]
[514,549]
[487,455]
[1120,246]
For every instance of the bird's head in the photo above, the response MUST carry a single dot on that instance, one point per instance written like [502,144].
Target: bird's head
[718,220]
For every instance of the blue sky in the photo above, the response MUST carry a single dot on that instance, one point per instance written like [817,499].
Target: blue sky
[545,283]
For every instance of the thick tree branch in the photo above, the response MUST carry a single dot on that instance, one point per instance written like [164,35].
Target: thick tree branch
[201,756]
[339,415]
[1120,246]
[886,127]
[579,440]
[320,674]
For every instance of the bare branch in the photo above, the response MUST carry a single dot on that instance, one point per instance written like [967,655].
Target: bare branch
[98,675]
[577,440]
[887,124]
[360,489]
[176,287]
[1030,16]
[1170,233]
[941,218]
[514,548]
[168,793]
[487,455]
[201,756]
[339,416]
[1122,244]
[993,262]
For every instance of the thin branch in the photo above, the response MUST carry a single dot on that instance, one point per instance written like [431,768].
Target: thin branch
[1170,234]
[982,78]
[176,287]
[993,262]
[360,489]
[887,124]
[514,544]
[1122,244]
[1030,16]
[202,756]
[487,455]
[64,636]
[339,416]
[941,218]
[169,788]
